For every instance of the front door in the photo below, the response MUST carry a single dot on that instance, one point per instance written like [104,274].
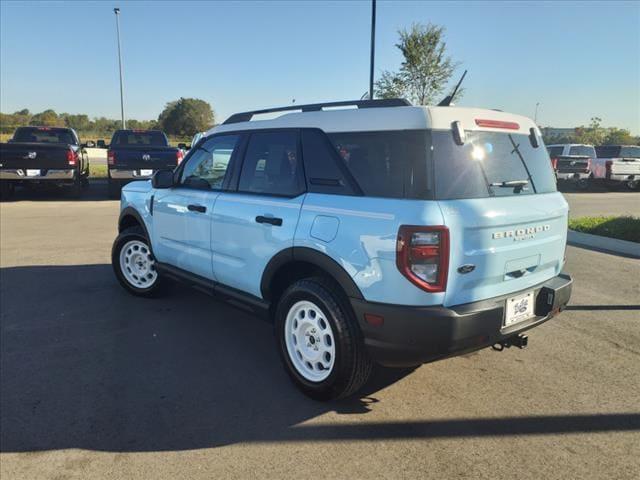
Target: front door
[182,215]
[252,225]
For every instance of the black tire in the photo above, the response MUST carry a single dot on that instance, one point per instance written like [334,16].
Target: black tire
[114,189]
[6,190]
[130,234]
[352,366]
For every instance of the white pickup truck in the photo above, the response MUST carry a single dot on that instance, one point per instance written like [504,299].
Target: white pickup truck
[572,163]
[616,164]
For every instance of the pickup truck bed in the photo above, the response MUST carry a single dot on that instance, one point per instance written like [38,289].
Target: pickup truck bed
[42,163]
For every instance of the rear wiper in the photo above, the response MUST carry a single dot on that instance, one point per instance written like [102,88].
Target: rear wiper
[517,185]
[511,183]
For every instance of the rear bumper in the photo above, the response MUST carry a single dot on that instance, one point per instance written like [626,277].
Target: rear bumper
[573,176]
[621,177]
[45,175]
[124,175]
[413,335]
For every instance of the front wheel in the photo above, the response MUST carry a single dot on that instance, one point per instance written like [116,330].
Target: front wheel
[134,264]
[319,340]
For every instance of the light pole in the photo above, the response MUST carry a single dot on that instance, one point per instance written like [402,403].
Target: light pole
[535,117]
[373,46]
[117,12]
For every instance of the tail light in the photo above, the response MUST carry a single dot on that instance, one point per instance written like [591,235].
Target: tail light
[554,163]
[588,164]
[72,157]
[111,157]
[482,122]
[422,255]
[607,166]
[179,157]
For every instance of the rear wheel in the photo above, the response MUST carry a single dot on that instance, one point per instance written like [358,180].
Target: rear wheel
[319,340]
[114,189]
[633,184]
[134,264]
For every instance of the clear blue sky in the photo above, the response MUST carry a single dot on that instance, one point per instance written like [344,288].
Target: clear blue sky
[578,59]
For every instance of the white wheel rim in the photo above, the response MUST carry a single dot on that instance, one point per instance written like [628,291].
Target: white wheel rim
[137,264]
[310,341]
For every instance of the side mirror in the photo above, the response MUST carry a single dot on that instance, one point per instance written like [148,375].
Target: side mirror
[102,144]
[183,146]
[89,144]
[162,179]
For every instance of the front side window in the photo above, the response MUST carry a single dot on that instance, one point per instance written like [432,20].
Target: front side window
[207,166]
[271,164]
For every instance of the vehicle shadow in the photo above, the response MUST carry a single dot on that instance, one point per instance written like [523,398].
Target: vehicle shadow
[85,365]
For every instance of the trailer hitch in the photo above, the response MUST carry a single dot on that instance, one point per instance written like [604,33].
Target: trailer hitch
[520,341]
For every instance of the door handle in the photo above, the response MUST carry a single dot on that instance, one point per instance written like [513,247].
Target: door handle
[197,208]
[271,220]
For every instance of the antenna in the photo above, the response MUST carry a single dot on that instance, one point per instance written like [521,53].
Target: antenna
[449,98]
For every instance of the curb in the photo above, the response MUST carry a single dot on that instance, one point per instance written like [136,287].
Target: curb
[604,244]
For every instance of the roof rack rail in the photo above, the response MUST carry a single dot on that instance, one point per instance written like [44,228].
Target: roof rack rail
[316,107]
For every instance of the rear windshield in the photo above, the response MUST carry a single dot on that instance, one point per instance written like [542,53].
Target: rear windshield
[134,139]
[583,150]
[489,164]
[44,135]
[555,151]
[613,151]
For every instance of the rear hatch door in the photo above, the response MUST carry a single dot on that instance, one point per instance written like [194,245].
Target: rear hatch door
[507,223]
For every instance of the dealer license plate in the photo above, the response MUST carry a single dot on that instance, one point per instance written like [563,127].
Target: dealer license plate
[518,309]
[146,173]
[32,173]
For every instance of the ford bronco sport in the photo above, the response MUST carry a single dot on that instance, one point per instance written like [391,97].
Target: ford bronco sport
[384,233]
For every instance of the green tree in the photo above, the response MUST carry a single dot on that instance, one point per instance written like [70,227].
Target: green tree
[48,118]
[79,122]
[425,70]
[186,117]
[619,136]
[593,134]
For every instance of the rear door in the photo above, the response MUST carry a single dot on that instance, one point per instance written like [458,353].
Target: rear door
[257,221]
[507,223]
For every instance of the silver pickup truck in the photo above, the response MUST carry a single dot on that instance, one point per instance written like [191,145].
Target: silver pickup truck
[618,164]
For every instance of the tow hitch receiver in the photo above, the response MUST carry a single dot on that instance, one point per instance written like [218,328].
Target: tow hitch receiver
[520,341]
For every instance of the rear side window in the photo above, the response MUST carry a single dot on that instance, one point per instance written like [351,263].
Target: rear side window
[487,161]
[387,163]
[555,151]
[272,165]
[140,139]
[583,150]
[321,165]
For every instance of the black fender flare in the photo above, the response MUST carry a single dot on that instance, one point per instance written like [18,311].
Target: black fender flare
[313,257]
[132,212]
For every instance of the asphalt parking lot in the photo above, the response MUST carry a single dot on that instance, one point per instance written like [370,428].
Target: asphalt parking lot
[98,383]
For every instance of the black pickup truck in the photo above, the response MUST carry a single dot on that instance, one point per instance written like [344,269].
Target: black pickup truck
[136,155]
[38,156]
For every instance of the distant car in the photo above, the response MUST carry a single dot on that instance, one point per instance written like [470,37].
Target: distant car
[572,163]
[137,155]
[38,156]
[618,164]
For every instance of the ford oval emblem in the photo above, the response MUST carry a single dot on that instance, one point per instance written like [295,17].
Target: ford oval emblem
[468,268]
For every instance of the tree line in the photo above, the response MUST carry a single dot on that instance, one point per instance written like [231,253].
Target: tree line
[181,118]
[594,134]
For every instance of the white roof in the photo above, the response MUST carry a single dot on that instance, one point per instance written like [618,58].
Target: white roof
[384,118]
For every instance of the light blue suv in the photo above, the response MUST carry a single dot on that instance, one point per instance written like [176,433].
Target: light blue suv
[379,233]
